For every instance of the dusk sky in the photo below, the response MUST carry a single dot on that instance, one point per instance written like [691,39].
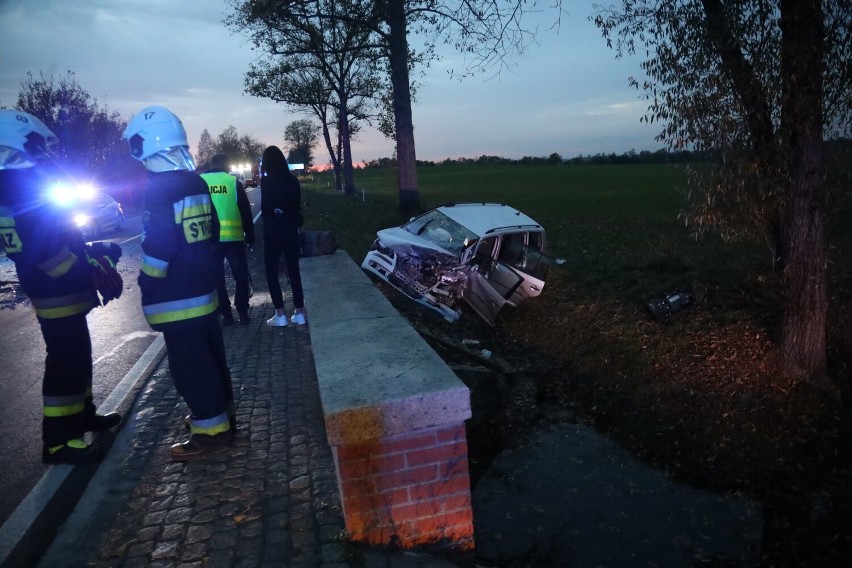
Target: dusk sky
[569,94]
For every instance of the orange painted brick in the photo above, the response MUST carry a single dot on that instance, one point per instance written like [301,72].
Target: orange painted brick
[404,442]
[363,501]
[352,469]
[450,469]
[409,477]
[431,508]
[435,454]
[442,488]
[452,434]
[389,445]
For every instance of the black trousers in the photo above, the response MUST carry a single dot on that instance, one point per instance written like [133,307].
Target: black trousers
[279,241]
[235,253]
[67,382]
[199,369]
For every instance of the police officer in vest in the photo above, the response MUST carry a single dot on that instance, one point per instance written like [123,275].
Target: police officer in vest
[178,280]
[236,230]
[60,275]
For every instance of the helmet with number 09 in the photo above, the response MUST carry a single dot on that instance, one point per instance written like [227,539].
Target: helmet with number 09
[23,140]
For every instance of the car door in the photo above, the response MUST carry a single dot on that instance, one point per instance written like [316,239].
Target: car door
[489,283]
[524,253]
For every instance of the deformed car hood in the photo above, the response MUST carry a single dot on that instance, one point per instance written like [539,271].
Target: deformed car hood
[399,238]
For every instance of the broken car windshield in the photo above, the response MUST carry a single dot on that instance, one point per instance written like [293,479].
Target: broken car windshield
[440,230]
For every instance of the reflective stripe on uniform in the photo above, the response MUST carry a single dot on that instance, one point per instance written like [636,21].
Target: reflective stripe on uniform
[9,239]
[59,406]
[63,306]
[154,267]
[178,310]
[192,206]
[210,426]
[230,230]
[195,214]
[59,264]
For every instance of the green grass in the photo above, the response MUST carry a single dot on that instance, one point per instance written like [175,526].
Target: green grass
[615,226]
[701,397]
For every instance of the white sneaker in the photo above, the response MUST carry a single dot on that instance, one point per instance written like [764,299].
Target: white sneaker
[298,319]
[277,321]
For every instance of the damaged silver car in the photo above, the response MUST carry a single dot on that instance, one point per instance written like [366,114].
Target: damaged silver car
[487,255]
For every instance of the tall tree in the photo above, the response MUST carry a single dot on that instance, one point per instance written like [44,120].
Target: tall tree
[760,83]
[250,149]
[486,31]
[206,149]
[90,143]
[316,62]
[302,137]
[239,149]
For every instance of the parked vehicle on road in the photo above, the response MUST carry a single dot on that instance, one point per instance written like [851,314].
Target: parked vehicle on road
[487,255]
[93,211]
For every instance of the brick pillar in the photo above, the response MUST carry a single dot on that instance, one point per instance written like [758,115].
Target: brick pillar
[409,490]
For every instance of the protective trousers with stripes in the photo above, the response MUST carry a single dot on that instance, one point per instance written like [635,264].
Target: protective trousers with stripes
[199,369]
[67,384]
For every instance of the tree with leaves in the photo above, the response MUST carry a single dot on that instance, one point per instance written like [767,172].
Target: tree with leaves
[486,31]
[239,149]
[90,143]
[206,149]
[761,84]
[301,135]
[322,64]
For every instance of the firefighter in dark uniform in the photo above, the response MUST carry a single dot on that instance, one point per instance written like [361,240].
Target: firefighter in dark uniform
[236,230]
[178,280]
[61,276]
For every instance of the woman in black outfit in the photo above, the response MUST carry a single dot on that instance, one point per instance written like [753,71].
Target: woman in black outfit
[280,201]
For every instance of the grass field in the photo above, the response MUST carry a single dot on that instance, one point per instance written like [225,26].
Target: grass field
[616,226]
[701,396]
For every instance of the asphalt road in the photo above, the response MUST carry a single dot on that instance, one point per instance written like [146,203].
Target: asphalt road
[120,335]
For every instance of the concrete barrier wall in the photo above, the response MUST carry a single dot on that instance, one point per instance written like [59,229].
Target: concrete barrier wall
[394,414]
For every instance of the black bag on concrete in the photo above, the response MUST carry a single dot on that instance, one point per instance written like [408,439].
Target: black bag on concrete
[315,243]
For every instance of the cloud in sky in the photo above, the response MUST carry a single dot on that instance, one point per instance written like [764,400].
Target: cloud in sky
[568,94]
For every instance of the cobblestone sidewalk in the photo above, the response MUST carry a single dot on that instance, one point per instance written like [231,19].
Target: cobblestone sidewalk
[272,500]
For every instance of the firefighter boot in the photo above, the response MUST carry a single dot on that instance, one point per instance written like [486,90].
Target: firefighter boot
[72,452]
[232,420]
[200,445]
[103,422]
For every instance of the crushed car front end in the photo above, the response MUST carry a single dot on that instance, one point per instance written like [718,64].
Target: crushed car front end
[423,272]
[486,255]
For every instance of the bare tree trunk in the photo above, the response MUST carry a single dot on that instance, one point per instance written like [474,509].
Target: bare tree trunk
[335,160]
[803,339]
[343,128]
[409,194]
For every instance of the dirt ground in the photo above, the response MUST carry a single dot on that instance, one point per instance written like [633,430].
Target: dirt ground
[701,398]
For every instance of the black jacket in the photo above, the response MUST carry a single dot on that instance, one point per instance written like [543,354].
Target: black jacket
[178,281]
[283,194]
[47,248]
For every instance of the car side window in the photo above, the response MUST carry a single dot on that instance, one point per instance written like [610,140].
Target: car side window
[484,254]
[512,249]
[522,251]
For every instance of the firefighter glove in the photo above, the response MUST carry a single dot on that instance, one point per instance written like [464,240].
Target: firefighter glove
[106,278]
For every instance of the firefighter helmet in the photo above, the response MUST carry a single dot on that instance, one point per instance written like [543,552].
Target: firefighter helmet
[153,130]
[23,139]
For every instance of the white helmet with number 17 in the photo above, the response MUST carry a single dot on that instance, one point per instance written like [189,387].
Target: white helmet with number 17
[157,139]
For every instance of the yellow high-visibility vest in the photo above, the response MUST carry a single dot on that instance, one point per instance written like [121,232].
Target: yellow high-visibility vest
[223,193]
